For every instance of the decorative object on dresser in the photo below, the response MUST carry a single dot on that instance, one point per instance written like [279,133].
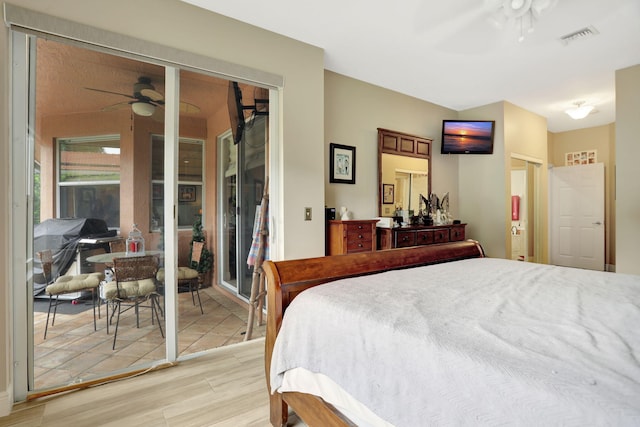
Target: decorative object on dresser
[356,235]
[417,235]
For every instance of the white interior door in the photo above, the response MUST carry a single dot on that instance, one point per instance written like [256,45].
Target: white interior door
[577,216]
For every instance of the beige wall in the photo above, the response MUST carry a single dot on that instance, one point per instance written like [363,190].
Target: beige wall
[354,111]
[482,185]
[299,149]
[485,193]
[602,139]
[526,135]
[627,185]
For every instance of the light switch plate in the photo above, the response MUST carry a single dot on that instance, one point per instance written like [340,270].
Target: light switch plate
[307,214]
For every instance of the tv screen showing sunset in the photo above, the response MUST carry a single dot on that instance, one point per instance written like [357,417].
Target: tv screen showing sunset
[467,136]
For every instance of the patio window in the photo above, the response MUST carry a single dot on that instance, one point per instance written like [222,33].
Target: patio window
[89,178]
[190,181]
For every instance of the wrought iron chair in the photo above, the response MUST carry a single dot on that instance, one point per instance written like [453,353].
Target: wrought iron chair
[117,245]
[66,284]
[188,277]
[134,284]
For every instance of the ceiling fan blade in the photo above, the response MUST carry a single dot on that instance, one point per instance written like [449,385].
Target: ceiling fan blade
[152,94]
[187,108]
[117,106]
[108,91]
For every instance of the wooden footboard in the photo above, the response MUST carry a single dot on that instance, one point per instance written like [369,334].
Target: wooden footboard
[286,279]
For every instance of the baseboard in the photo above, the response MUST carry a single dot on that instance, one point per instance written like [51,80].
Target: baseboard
[6,403]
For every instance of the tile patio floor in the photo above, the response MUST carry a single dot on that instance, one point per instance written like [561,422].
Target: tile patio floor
[73,351]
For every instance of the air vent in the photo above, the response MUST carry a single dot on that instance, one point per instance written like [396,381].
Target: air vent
[582,34]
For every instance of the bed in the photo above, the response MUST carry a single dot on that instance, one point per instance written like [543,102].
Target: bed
[441,335]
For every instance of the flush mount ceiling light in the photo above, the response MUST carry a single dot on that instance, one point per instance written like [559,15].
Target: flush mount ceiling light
[523,13]
[143,108]
[580,111]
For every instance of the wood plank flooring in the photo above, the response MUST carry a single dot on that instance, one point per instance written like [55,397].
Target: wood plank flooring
[224,387]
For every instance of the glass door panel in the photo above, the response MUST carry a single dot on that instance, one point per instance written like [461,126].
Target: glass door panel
[241,185]
[93,148]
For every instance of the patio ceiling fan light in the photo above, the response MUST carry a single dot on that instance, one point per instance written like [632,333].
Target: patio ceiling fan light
[143,108]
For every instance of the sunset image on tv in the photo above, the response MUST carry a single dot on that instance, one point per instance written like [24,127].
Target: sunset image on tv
[467,137]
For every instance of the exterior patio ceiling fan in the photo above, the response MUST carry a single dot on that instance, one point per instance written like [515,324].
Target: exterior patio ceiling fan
[145,100]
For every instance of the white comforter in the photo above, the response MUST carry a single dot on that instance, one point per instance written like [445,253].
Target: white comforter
[475,342]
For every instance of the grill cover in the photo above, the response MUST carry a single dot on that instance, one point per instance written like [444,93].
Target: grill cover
[61,235]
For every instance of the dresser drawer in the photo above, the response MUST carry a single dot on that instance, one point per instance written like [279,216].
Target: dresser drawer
[405,239]
[424,237]
[358,227]
[441,236]
[359,245]
[456,233]
[351,236]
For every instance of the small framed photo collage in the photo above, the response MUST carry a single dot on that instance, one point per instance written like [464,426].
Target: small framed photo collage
[586,157]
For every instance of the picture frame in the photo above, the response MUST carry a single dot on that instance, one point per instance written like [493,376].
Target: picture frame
[387,194]
[186,193]
[342,164]
[585,157]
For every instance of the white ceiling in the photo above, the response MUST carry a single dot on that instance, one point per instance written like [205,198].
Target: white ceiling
[449,53]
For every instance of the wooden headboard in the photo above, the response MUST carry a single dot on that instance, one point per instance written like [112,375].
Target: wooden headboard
[286,279]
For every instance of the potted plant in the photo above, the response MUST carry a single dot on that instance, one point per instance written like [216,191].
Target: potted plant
[206,259]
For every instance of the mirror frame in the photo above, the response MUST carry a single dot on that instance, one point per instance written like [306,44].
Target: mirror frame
[401,144]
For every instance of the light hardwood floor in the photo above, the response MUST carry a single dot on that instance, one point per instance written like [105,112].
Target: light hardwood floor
[224,387]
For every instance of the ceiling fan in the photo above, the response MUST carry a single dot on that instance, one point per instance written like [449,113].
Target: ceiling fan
[145,100]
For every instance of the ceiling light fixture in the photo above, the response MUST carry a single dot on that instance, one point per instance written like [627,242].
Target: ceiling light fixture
[580,111]
[143,108]
[523,13]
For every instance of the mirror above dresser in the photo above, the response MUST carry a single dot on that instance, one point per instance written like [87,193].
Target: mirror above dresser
[404,171]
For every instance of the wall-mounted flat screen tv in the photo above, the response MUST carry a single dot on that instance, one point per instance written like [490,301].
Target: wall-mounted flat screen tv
[236,114]
[467,136]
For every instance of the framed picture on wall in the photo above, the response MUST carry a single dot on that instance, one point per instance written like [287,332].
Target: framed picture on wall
[586,157]
[387,194]
[342,164]
[186,193]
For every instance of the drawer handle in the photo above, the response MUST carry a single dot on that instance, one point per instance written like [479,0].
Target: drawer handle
[360,227]
[359,245]
[405,238]
[359,236]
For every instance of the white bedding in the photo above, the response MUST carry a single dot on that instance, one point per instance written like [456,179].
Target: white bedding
[474,342]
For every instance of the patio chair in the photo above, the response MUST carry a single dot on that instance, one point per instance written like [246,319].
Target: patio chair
[189,278]
[67,284]
[117,245]
[134,284]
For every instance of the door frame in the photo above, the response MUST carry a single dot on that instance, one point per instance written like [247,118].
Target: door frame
[23,22]
[537,211]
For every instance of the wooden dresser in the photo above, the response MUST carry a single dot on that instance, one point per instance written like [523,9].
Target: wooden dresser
[347,237]
[415,235]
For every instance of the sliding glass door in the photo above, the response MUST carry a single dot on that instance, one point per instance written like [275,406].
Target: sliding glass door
[127,141]
[241,184]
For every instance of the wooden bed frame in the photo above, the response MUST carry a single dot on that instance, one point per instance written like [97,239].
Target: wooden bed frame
[286,279]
